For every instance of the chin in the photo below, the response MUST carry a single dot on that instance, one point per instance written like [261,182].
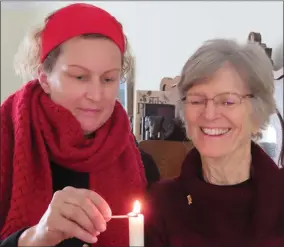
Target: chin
[90,128]
[206,149]
[212,153]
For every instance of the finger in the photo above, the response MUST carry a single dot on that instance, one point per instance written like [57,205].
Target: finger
[94,215]
[72,229]
[100,203]
[82,201]
[95,198]
[77,215]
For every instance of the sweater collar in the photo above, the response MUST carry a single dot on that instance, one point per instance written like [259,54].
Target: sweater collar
[263,188]
[262,165]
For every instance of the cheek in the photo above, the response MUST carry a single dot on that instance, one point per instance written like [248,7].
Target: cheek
[108,98]
[111,95]
[191,121]
[242,122]
[111,92]
[65,93]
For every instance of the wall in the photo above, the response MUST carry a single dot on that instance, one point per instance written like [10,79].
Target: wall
[14,24]
[162,34]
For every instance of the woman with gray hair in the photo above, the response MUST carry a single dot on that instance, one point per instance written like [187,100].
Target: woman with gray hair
[229,192]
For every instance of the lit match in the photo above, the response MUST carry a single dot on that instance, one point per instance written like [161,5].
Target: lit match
[126,216]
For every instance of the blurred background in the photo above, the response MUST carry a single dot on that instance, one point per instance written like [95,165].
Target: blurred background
[162,34]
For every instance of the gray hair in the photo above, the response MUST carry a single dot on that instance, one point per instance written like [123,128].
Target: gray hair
[250,61]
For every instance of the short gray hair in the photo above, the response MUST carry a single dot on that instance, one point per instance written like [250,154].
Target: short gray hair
[250,61]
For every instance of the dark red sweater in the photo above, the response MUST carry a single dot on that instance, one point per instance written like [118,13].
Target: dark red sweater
[250,214]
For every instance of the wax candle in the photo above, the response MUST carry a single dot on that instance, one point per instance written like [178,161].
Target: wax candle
[136,226]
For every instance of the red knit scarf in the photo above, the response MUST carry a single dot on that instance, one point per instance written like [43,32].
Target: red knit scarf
[36,131]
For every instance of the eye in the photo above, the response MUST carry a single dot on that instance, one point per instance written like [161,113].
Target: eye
[77,73]
[195,100]
[228,102]
[109,80]
[80,78]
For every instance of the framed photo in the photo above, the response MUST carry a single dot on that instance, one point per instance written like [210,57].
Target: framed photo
[152,100]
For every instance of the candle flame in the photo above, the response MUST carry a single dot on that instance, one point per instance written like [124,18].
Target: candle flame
[136,207]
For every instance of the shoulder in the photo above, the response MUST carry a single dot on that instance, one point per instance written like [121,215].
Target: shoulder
[7,115]
[164,190]
[276,176]
[272,185]
[281,188]
[281,172]
[7,104]
[160,198]
[281,181]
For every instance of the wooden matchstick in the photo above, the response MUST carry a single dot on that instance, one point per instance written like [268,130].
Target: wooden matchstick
[120,216]
[123,216]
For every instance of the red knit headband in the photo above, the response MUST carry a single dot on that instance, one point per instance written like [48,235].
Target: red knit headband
[77,19]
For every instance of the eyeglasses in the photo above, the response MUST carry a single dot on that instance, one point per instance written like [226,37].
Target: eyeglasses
[223,100]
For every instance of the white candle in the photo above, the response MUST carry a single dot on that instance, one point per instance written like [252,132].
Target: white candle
[136,227]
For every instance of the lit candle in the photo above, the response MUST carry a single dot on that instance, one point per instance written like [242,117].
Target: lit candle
[136,226]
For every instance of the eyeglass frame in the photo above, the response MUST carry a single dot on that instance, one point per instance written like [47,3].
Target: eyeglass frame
[241,98]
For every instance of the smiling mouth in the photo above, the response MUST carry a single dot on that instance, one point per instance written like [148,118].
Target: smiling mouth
[215,131]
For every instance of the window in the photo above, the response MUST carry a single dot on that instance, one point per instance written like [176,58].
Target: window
[123,95]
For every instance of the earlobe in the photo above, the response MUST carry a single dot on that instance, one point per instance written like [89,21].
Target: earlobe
[42,77]
[256,132]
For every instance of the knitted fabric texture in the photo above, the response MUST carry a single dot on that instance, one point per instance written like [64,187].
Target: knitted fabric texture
[77,19]
[250,214]
[35,131]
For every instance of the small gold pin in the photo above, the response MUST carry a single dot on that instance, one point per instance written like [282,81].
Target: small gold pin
[189,199]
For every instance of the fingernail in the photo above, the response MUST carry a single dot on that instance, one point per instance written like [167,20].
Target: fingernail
[94,239]
[102,227]
[107,218]
[107,213]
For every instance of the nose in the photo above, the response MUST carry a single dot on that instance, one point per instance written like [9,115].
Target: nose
[210,111]
[94,90]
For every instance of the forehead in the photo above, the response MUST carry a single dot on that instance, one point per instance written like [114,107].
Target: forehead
[225,79]
[92,53]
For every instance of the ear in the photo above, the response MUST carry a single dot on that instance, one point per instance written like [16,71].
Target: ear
[256,131]
[257,136]
[43,80]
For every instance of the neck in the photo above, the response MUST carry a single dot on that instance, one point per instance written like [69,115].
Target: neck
[228,170]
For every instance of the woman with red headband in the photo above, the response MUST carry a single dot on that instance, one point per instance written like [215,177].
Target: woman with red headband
[68,157]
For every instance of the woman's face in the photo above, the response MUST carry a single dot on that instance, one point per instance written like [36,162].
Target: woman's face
[221,128]
[85,80]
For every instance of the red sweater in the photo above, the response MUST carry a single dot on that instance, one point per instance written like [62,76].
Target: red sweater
[250,214]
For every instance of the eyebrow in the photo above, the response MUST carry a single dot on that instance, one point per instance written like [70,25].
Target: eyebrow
[110,70]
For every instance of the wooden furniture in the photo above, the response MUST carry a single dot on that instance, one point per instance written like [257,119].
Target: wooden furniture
[168,155]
